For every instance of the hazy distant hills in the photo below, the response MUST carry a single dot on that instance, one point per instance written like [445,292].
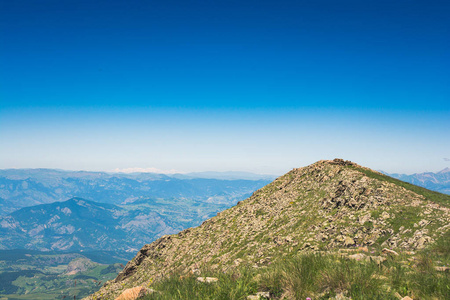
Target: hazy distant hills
[225,175]
[439,181]
[79,224]
[117,212]
[27,187]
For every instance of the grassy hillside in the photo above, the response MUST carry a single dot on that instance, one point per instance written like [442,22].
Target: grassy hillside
[329,211]
[433,196]
[319,276]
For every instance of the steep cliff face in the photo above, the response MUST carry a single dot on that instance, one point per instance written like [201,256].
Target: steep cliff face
[326,206]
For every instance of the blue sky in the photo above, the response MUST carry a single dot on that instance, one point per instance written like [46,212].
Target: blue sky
[261,86]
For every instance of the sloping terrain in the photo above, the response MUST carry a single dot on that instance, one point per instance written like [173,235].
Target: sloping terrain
[324,207]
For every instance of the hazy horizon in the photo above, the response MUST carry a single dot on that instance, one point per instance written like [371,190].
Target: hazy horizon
[137,170]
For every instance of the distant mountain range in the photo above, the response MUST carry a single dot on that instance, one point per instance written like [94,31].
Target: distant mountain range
[27,187]
[79,224]
[231,175]
[439,182]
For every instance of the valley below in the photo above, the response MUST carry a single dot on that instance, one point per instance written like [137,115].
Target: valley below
[54,245]
[36,275]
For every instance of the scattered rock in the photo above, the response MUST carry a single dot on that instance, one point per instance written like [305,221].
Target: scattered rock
[380,277]
[398,296]
[377,259]
[362,257]
[358,256]
[134,293]
[196,272]
[423,223]
[259,295]
[385,215]
[263,294]
[389,251]
[364,219]
[348,241]
[207,279]
[365,249]
[306,245]
[341,296]
[422,241]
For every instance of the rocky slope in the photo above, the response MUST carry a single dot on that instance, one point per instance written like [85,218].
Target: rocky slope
[327,206]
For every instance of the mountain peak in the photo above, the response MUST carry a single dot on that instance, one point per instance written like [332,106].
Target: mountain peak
[326,206]
[444,171]
[77,200]
[335,162]
[340,162]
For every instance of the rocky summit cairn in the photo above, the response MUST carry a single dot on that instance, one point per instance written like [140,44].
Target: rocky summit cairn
[329,206]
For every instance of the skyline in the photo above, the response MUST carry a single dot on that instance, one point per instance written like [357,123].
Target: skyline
[257,86]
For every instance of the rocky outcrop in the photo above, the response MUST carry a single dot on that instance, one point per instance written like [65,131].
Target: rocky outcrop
[327,206]
[134,293]
[80,265]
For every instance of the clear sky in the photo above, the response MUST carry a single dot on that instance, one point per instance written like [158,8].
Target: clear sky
[261,86]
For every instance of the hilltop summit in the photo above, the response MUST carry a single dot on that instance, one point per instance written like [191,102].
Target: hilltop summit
[324,207]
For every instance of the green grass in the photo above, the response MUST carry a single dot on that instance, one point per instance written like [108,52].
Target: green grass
[442,199]
[174,287]
[320,276]
[406,217]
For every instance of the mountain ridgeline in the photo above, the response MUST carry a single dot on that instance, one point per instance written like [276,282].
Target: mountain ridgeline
[439,181]
[322,208]
[29,187]
[79,224]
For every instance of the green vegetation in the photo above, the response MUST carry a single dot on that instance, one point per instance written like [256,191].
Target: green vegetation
[406,217]
[27,274]
[233,285]
[321,276]
[442,199]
